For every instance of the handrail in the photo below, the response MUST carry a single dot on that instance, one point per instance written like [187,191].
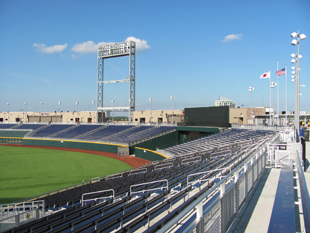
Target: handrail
[206,172]
[95,199]
[138,171]
[163,166]
[146,190]
[217,186]
[305,200]
[191,160]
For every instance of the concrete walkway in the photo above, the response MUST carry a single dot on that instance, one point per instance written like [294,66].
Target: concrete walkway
[256,213]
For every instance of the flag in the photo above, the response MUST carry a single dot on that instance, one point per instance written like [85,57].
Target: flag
[280,72]
[265,75]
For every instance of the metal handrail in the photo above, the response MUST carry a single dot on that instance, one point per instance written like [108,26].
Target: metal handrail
[146,190]
[206,172]
[305,199]
[95,199]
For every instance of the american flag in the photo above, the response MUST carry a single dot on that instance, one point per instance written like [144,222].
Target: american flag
[281,72]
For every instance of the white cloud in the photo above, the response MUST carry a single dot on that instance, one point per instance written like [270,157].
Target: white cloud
[86,47]
[52,49]
[232,37]
[91,47]
[141,45]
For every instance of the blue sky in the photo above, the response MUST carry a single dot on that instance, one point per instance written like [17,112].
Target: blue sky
[195,51]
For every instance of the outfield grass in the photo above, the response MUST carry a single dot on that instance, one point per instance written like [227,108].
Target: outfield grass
[27,172]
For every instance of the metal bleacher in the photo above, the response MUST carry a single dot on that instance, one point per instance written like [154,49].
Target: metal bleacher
[49,130]
[149,199]
[7,126]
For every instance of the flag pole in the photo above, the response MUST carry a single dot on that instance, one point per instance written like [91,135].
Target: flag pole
[285,96]
[278,107]
[270,96]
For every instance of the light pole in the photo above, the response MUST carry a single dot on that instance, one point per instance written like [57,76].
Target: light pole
[172,107]
[8,112]
[273,84]
[59,103]
[77,110]
[150,99]
[93,102]
[112,102]
[26,111]
[250,90]
[297,77]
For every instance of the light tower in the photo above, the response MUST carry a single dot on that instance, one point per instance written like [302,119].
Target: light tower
[126,48]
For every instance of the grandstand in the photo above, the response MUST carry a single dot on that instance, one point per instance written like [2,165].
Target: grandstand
[141,196]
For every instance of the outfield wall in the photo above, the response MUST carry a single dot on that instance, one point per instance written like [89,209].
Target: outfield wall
[97,146]
[164,141]
[13,133]
[149,154]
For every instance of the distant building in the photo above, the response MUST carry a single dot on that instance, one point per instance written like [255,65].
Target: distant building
[222,101]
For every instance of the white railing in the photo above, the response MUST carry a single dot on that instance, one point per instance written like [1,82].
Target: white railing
[15,214]
[97,198]
[147,190]
[216,208]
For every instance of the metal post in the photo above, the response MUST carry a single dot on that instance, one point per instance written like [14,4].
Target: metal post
[269,96]
[298,83]
[285,95]
[278,110]
[8,112]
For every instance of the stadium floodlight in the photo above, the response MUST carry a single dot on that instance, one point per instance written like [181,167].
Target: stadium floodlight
[8,111]
[112,102]
[296,41]
[293,72]
[171,97]
[294,34]
[93,102]
[293,80]
[150,99]
[293,67]
[41,106]
[77,107]
[26,110]
[293,55]
[302,85]
[251,90]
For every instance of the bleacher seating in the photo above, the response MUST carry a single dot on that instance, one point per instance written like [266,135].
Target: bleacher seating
[7,126]
[75,132]
[49,130]
[30,126]
[221,139]
[127,212]
[106,131]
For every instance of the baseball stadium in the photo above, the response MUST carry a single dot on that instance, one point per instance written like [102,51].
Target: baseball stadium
[194,170]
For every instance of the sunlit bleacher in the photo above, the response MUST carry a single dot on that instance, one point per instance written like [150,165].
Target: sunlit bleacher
[147,198]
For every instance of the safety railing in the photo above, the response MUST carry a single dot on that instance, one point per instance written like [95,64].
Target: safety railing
[148,183]
[305,199]
[16,214]
[215,210]
[97,198]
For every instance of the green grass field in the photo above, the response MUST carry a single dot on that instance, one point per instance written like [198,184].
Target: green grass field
[27,172]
